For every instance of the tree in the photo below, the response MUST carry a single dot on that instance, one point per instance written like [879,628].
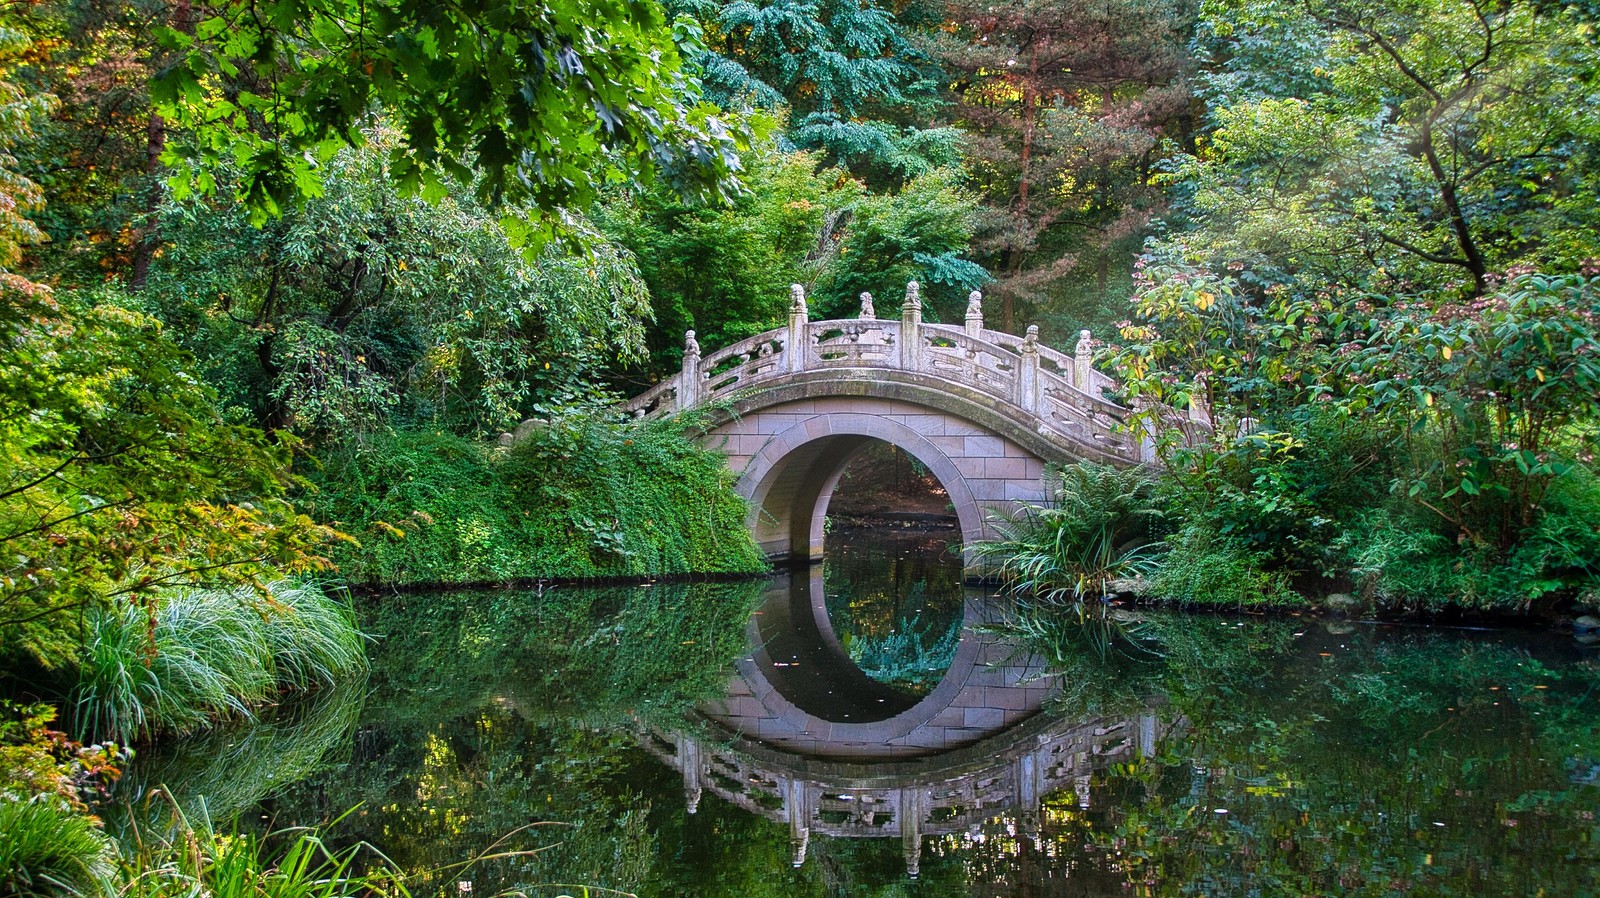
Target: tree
[724,271]
[857,89]
[1427,144]
[19,194]
[1067,105]
[543,101]
[919,234]
[366,305]
[122,476]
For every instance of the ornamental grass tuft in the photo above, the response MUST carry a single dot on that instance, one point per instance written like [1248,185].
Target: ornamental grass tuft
[197,656]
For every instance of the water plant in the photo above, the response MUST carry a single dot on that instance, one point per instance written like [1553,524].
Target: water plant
[292,863]
[197,656]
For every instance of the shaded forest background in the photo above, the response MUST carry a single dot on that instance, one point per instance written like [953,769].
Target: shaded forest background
[274,270]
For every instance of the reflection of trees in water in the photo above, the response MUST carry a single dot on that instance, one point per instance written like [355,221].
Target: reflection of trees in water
[224,772]
[1326,760]
[913,658]
[491,711]
[895,601]
[1334,752]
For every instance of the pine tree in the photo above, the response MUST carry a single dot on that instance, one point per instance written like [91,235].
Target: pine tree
[854,84]
[1067,103]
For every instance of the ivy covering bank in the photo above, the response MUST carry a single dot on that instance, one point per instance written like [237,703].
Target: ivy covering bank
[583,498]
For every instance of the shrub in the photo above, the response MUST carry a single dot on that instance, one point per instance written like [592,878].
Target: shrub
[1407,560]
[199,655]
[1202,568]
[1094,529]
[49,849]
[582,498]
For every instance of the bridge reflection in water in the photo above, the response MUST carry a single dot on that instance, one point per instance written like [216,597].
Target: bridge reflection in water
[806,739]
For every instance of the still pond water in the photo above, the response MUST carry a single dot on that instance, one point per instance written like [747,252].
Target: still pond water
[873,728]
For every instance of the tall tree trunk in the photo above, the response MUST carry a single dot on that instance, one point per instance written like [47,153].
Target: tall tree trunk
[149,234]
[144,249]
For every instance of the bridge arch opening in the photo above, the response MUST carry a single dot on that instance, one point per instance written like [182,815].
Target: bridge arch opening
[887,489]
[791,482]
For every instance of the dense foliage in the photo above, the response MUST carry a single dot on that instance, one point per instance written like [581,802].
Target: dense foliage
[123,474]
[579,498]
[273,274]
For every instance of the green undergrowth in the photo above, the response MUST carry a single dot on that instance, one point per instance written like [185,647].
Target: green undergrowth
[199,656]
[1318,530]
[579,499]
[48,848]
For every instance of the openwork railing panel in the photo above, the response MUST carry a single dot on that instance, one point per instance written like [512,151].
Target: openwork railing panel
[1057,394]
[816,797]
[973,361]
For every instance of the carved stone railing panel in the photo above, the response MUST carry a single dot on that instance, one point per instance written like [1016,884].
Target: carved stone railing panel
[969,360]
[743,364]
[853,343]
[1055,393]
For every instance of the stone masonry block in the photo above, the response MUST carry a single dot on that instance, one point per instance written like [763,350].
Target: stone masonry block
[927,425]
[985,447]
[1008,468]
[970,468]
[1023,491]
[1010,698]
[986,718]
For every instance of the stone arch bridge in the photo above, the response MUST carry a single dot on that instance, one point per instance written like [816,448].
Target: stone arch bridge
[983,410]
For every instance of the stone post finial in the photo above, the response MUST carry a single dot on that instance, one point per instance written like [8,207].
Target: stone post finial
[797,347]
[910,325]
[689,378]
[867,311]
[974,314]
[1082,372]
[1028,389]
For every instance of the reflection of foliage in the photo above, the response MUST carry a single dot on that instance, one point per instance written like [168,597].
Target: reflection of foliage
[914,656]
[226,771]
[896,609]
[598,655]
[1104,664]
[493,710]
[1323,760]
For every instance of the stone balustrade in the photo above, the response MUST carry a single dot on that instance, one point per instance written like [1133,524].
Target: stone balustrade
[1064,393]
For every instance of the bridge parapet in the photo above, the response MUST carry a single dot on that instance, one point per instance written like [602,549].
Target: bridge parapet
[1061,395]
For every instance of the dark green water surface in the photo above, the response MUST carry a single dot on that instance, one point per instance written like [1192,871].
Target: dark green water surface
[557,733]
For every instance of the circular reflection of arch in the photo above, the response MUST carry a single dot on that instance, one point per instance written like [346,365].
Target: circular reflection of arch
[791,480]
[798,689]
